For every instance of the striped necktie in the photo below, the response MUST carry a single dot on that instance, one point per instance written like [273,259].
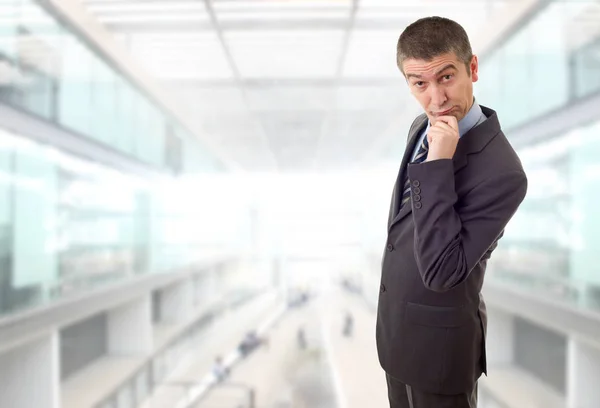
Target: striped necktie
[419,158]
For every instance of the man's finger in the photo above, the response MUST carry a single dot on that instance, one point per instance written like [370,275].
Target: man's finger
[450,120]
[439,131]
[443,126]
[433,131]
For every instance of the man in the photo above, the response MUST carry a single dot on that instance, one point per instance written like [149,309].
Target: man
[459,184]
[220,371]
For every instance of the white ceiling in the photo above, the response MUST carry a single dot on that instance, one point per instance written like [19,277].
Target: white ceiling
[285,85]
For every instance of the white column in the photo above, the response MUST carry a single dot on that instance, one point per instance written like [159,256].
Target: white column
[211,284]
[130,328]
[283,283]
[29,375]
[197,298]
[204,290]
[500,337]
[177,302]
[217,278]
[583,374]
[277,277]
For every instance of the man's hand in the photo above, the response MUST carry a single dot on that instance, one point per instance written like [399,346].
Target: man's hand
[442,137]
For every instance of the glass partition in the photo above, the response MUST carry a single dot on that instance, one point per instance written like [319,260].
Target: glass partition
[68,225]
[550,62]
[551,245]
[46,69]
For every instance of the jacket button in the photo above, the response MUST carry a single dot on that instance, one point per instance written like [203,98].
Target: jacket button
[382,288]
[390,247]
[416,198]
[418,205]
[416,190]
[416,183]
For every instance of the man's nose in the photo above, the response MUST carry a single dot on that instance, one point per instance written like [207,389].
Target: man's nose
[438,96]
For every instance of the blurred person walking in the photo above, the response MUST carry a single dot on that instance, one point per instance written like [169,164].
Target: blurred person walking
[348,325]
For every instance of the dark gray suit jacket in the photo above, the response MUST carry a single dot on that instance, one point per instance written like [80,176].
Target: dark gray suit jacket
[431,318]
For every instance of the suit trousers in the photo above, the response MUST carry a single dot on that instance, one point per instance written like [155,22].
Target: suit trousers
[404,396]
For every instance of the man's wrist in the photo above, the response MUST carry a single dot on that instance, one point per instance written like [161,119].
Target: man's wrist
[430,159]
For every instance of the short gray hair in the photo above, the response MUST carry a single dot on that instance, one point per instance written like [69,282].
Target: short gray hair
[430,37]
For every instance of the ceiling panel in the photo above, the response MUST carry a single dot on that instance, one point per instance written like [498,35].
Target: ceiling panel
[148,12]
[206,99]
[386,98]
[123,6]
[266,5]
[265,80]
[350,127]
[372,54]
[285,54]
[471,14]
[285,14]
[583,24]
[149,18]
[231,128]
[347,136]
[249,157]
[293,137]
[241,135]
[290,98]
[181,55]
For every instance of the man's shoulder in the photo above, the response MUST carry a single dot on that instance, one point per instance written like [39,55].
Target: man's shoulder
[418,122]
[498,156]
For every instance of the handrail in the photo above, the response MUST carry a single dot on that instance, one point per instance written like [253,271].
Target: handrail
[201,389]
[212,312]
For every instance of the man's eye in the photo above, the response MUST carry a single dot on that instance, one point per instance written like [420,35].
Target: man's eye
[419,84]
[447,77]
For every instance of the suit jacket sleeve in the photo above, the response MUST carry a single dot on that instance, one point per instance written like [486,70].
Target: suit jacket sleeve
[448,244]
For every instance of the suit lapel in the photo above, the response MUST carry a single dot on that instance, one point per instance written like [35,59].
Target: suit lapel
[476,139]
[413,135]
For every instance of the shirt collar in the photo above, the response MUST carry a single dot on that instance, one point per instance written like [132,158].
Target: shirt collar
[468,122]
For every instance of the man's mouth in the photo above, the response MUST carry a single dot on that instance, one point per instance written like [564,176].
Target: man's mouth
[442,113]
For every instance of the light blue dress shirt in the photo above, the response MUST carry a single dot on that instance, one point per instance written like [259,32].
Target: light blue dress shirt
[473,118]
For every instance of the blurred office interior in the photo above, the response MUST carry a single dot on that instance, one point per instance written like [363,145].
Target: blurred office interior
[194,198]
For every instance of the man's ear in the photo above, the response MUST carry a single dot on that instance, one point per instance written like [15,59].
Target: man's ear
[474,67]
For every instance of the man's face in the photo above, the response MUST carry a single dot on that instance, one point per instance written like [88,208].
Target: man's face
[443,85]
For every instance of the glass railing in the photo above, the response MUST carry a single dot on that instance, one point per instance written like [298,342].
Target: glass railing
[68,225]
[157,368]
[586,69]
[548,63]
[544,268]
[551,244]
[48,70]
